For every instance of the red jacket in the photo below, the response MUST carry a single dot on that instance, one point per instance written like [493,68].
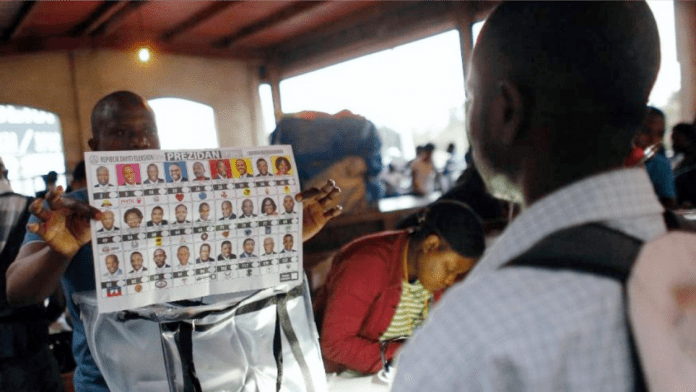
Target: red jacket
[358,301]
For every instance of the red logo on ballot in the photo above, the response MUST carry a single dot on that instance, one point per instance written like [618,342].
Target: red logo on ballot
[113,292]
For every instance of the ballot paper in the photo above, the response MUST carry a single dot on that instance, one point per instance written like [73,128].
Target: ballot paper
[186,224]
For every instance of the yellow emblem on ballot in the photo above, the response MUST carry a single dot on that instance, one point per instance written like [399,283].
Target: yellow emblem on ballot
[158,241]
[247,192]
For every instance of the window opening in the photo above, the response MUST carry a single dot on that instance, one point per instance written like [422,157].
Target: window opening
[184,124]
[31,145]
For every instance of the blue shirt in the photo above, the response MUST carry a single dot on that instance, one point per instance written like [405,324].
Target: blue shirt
[660,172]
[78,277]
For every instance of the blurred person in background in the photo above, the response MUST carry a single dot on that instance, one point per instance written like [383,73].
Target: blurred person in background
[649,137]
[50,180]
[451,169]
[79,178]
[423,173]
[26,364]
[684,145]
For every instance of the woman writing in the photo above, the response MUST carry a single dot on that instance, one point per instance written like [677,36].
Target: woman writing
[381,286]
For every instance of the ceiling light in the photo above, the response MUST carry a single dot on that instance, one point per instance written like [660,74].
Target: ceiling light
[144,55]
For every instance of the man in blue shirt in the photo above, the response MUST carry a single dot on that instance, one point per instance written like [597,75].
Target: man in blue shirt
[659,169]
[60,249]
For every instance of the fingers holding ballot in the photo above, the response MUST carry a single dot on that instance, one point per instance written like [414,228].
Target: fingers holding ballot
[318,208]
[65,224]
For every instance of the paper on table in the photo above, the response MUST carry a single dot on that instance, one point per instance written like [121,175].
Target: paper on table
[371,383]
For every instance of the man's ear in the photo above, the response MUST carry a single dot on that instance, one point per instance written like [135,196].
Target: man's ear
[509,110]
[93,144]
[431,243]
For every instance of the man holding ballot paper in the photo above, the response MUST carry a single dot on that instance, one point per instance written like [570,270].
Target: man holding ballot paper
[58,242]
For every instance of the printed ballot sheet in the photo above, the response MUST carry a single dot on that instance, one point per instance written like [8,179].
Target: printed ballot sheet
[184,224]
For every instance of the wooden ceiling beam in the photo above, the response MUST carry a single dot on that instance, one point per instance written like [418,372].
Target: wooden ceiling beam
[101,14]
[20,21]
[43,44]
[295,8]
[391,24]
[482,9]
[197,18]
[112,23]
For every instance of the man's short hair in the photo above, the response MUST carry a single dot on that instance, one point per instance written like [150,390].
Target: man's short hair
[652,111]
[577,71]
[655,111]
[249,239]
[115,102]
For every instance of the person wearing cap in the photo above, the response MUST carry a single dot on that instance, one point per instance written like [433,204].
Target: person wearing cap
[382,286]
[50,181]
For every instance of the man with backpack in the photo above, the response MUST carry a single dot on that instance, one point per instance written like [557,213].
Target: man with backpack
[557,90]
[26,364]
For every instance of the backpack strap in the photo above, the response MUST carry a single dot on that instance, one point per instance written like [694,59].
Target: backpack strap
[590,248]
[594,249]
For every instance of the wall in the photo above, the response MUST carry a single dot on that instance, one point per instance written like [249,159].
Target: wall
[43,81]
[70,83]
[685,24]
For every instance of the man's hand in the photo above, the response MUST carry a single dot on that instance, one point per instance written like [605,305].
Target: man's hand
[65,225]
[317,208]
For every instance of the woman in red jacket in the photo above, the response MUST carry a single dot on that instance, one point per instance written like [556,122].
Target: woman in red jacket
[381,286]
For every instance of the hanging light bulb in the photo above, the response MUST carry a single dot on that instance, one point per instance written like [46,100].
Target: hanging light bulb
[144,51]
[144,55]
